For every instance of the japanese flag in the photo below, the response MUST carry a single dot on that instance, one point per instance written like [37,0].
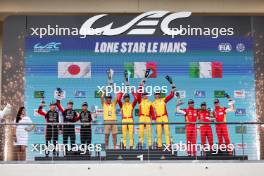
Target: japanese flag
[74,69]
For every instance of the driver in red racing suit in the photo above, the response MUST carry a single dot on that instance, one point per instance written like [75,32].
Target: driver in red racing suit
[204,116]
[190,116]
[219,114]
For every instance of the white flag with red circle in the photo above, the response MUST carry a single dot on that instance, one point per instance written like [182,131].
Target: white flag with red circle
[74,69]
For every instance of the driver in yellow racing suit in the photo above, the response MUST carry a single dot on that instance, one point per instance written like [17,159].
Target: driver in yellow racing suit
[159,105]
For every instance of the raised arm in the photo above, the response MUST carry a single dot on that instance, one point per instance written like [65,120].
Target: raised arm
[119,99]
[179,110]
[102,98]
[169,97]
[118,96]
[59,106]
[135,99]
[231,107]
[40,111]
[139,92]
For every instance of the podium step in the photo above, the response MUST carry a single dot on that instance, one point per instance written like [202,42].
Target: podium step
[126,155]
[138,154]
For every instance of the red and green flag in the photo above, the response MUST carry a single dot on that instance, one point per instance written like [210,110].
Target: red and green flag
[205,70]
[138,69]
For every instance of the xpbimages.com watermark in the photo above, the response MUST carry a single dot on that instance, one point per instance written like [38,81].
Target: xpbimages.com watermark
[183,147]
[129,89]
[50,147]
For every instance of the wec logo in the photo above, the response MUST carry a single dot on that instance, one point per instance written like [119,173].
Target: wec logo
[144,24]
[52,46]
[148,19]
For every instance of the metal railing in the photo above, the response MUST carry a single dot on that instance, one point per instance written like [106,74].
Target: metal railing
[47,141]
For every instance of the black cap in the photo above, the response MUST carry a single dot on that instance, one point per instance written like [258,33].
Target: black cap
[108,96]
[70,102]
[216,100]
[190,101]
[157,92]
[145,93]
[126,96]
[59,90]
[84,104]
[53,103]
[203,104]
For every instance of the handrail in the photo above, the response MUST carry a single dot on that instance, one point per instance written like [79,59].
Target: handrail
[139,123]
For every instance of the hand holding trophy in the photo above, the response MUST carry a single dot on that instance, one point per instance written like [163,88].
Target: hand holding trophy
[179,101]
[229,99]
[126,75]
[42,103]
[147,74]
[173,86]
[228,96]
[59,94]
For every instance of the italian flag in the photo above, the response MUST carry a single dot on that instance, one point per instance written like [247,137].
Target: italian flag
[138,69]
[205,70]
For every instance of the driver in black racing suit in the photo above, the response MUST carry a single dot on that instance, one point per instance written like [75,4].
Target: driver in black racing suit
[69,116]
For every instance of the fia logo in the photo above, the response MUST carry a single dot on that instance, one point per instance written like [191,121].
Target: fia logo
[224,47]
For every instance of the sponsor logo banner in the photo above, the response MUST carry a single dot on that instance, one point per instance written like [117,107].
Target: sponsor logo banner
[80,94]
[240,112]
[219,94]
[240,93]
[199,94]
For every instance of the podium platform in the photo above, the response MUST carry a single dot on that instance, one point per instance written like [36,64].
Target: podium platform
[126,155]
[137,154]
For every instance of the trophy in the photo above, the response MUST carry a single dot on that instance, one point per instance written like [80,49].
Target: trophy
[59,91]
[110,74]
[178,95]
[228,97]
[127,75]
[167,77]
[147,74]
[43,101]
[93,112]
[59,94]
[179,101]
